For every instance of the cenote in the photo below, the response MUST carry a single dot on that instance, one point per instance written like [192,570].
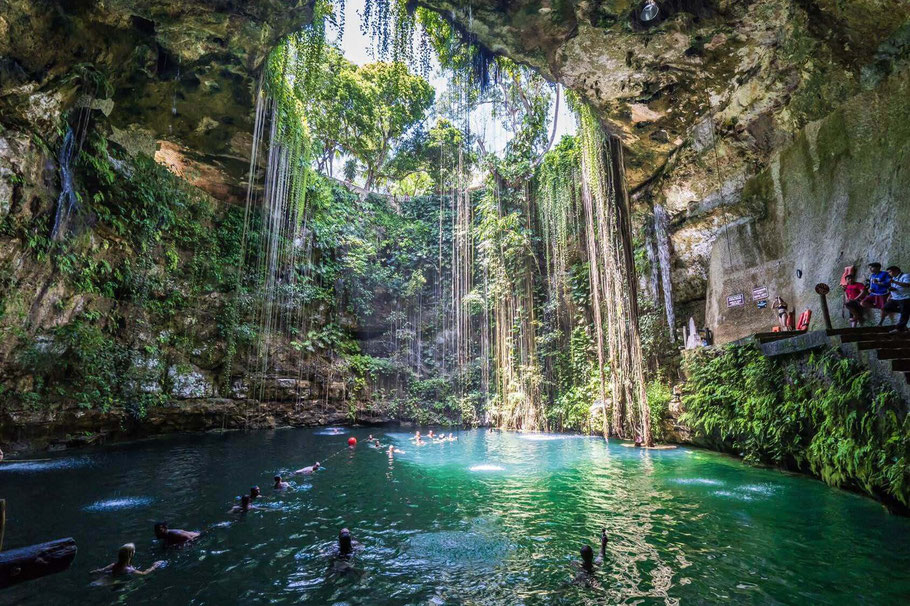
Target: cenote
[494,518]
[608,244]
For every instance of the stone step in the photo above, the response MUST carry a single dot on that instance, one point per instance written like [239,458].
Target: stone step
[765,337]
[874,338]
[901,365]
[862,330]
[882,343]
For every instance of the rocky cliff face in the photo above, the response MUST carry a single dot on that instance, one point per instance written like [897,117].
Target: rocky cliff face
[726,108]
[837,196]
[702,96]
[174,77]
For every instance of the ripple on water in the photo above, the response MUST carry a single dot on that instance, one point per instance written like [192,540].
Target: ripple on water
[487,467]
[697,482]
[51,465]
[330,431]
[121,503]
[459,547]
[759,489]
[734,494]
[548,437]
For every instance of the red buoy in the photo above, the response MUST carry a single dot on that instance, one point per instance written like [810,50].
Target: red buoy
[352,441]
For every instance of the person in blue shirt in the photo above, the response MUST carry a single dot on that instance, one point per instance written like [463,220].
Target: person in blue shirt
[879,288]
[900,297]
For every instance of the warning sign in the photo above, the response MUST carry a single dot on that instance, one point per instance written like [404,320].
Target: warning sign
[737,300]
[759,293]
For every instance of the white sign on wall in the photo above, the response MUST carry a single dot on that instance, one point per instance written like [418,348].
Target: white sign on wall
[737,300]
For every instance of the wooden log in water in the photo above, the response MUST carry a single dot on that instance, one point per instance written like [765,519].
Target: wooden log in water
[35,561]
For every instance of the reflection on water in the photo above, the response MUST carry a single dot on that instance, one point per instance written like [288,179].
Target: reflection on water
[44,465]
[121,503]
[494,518]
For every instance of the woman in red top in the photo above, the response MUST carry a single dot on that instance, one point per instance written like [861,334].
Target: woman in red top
[853,295]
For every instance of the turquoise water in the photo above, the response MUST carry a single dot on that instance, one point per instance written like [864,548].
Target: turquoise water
[489,519]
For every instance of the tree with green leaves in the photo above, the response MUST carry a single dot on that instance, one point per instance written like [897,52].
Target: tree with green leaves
[365,110]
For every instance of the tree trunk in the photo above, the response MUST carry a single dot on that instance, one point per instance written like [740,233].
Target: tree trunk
[34,561]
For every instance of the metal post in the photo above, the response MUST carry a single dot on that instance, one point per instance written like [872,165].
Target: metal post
[822,289]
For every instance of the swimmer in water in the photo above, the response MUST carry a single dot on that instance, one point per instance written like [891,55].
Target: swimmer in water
[173,537]
[452,438]
[245,505]
[346,544]
[254,493]
[585,575]
[279,485]
[416,436]
[124,563]
[342,558]
[393,450]
[308,470]
[430,434]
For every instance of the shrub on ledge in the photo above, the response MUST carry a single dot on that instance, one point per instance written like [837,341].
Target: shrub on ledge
[820,414]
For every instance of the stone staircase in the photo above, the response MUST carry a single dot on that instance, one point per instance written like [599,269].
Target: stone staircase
[877,345]
[887,355]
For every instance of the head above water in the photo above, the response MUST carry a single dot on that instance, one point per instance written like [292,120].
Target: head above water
[316,466]
[345,543]
[245,502]
[277,479]
[161,530]
[254,492]
[587,557]
[125,554]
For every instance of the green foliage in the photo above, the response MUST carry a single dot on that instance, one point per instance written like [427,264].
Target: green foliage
[823,415]
[365,110]
[659,396]
[81,363]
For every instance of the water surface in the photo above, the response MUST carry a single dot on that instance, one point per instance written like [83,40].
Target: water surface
[489,519]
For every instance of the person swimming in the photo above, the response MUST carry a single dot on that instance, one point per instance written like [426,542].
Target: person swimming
[124,563]
[415,437]
[452,438]
[393,450]
[173,537]
[308,470]
[346,544]
[279,485]
[342,559]
[585,575]
[254,493]
[246,504]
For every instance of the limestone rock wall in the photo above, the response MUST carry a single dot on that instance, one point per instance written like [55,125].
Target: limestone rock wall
[172,74]
[703,97]
[838,195]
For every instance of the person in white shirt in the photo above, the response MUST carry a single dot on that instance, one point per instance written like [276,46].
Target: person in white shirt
[900,297]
